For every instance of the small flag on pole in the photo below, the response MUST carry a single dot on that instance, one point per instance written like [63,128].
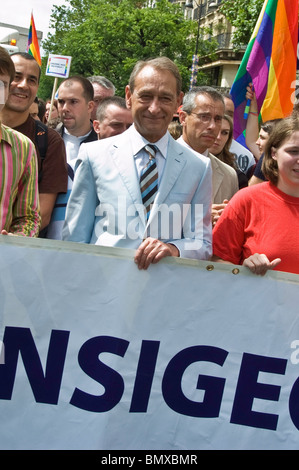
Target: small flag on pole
[33,46]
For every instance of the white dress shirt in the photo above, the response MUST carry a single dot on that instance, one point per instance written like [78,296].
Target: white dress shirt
[141,156]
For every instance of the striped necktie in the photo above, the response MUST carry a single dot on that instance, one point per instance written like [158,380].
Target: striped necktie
[149,180]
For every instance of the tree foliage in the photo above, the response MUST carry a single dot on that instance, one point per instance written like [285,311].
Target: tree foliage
[243,14]
[107,37]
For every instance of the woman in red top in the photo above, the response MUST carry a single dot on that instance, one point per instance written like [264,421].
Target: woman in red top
[260,225]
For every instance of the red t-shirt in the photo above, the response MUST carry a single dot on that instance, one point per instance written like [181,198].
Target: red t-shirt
[259,219]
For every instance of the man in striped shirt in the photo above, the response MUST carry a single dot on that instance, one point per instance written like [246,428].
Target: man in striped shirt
[19,200]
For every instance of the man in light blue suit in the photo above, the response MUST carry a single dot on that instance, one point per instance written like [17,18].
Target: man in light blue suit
[106,206]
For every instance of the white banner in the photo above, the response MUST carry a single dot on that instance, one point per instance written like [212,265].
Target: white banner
[184,356]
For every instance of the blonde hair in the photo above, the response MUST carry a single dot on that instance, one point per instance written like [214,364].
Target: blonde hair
[175,129]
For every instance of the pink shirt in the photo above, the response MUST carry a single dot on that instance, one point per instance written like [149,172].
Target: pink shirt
[19,200]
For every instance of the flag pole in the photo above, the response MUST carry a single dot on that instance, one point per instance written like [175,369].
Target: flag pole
[53,97]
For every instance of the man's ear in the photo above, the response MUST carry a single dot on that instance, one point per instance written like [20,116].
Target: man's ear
[91,105]
[96,126]
[180,99]
[128,97]
[182,117]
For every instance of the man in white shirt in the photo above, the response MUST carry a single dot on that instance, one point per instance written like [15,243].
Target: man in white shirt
[75,105]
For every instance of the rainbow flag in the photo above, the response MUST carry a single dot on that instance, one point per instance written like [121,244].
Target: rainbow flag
[32,45]
[270,63]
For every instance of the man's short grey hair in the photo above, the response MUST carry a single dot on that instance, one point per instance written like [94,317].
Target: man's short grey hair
[102,81]
[115,100]
[189,101]
[158,63]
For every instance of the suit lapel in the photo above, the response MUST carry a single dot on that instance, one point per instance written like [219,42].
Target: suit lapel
[122,154]
[217,175]
[124,161]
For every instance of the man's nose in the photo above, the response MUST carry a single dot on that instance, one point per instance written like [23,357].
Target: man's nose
[213,124]
[64,107]
[23,83]
[154,107]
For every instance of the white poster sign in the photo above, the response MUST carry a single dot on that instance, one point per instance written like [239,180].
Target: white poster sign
[58,66]
[187,355]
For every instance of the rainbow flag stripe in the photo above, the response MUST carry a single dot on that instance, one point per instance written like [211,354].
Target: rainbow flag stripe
[32,45]
[270,63]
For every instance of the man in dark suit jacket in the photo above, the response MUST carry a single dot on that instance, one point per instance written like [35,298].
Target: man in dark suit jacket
[106,207]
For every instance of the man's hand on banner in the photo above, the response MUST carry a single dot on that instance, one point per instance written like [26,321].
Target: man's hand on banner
[152,250]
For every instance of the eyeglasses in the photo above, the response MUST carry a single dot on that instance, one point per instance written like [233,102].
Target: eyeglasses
[206,118]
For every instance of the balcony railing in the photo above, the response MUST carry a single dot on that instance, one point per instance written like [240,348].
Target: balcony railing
[224,40]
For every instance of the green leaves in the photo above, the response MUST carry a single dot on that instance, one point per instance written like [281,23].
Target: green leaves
[108,37]
[243,15]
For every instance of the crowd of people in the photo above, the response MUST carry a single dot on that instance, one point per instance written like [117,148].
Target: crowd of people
[93,167]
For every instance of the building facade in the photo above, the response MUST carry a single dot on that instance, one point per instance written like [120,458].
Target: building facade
[212,24]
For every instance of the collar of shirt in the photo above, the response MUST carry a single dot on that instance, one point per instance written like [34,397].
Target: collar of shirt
[72,142]
[138,142]
[141,157]
[80,138]
[5,134]
[204,154]
[72,146]
[2,131]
